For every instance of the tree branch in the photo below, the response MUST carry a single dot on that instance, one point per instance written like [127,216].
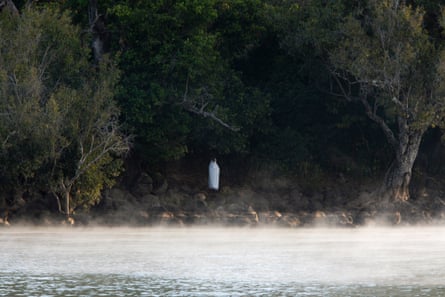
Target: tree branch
[44,63]
[8,4]
[200,110]
[371,112]
[212,115]
[108,144]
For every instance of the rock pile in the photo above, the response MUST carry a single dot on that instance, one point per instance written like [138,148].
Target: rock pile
[151,202]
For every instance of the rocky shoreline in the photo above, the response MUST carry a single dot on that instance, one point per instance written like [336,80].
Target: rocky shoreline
[264,202]
[219,209]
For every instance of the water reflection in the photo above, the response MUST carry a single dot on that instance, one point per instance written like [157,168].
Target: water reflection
[222,262]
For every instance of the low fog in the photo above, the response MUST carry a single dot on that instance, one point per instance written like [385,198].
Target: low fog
[367,256]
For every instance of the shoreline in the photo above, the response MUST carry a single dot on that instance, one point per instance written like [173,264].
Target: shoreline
[252,219]
[260,202]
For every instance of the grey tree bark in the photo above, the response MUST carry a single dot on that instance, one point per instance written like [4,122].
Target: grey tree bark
[398,176]
[97,29]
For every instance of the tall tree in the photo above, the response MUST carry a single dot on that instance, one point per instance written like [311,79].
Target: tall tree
[59,123]
[386,60]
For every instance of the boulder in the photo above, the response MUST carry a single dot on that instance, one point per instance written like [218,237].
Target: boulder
[150,201]
[165,217]
[252,215]
[276,202]
[289,220]
[143,185]
[119,198]
[200,196]
[236,208]
[389,218]
[319,218]
[260,203]
[195,205]
[364,217]
[298,201]
[162,189]
[316,201]
[174,199]
[4,221]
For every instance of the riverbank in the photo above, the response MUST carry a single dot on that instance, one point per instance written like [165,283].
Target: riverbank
[260,199]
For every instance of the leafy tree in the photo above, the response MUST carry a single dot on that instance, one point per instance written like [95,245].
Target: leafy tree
[59,124]
[386,60]
[289,64]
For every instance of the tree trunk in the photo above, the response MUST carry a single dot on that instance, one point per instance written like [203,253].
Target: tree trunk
[67,201]
[97,28]
[398,177]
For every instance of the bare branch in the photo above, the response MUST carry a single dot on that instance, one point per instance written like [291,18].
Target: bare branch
[7,138]
[9,5]
[200,110]
[44,63]
[379,120]
[371,112]
[204,105]
[13,79]
[212,115]
[110,142]
[344,93]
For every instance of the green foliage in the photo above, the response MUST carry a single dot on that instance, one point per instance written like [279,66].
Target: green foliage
[241,25]
[261,66]
[175,66]
[307,118]
[149,37]
[390,53]
[102,174]
[306,28]
[58,120]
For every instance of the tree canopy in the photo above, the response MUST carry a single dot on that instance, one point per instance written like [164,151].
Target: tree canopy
[59,124]
[387,61]
[313,86]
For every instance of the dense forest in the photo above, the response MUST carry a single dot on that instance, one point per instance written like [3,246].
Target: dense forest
[314,89]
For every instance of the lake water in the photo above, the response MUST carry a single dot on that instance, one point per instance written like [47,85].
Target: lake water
[222,262]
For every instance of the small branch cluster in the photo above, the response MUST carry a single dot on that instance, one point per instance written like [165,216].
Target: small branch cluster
[9,5]
[200,109]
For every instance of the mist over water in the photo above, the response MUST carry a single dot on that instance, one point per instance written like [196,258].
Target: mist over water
[403,261]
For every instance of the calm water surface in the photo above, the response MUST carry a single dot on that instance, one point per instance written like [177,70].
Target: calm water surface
[222,262]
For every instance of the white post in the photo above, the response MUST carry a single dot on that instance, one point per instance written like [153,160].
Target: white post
[213,175]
